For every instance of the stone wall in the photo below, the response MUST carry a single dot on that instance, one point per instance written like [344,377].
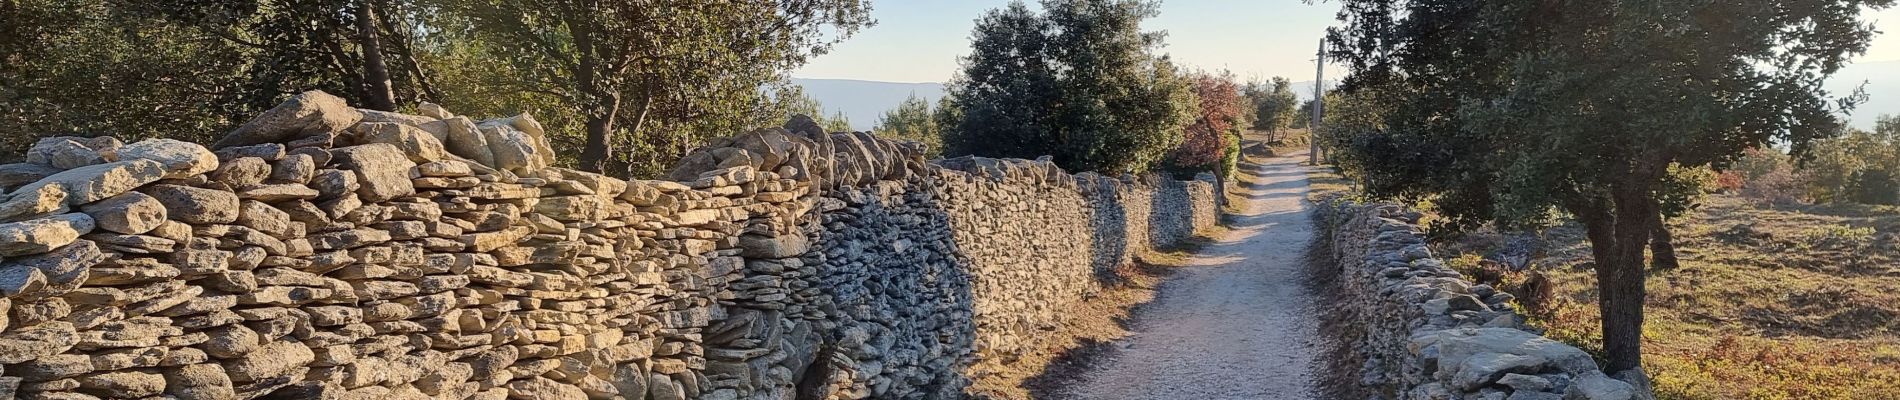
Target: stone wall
[322,251]
[1430,334]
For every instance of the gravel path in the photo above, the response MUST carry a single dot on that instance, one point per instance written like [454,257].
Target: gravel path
[1237,323]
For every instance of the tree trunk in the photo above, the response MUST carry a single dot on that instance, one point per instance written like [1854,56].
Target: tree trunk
[1662,250]
[378,95]
[1619,232]
[600,126]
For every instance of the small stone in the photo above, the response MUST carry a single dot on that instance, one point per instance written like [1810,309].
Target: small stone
[272,360]
[199,382]
[242,172]
[294,168]
[195,205]
[64,152]
[419,145]
[382,170]
[130,213]
[784,246]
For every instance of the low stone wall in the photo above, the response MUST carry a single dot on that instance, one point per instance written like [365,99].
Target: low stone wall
[1430,334]
[323,251]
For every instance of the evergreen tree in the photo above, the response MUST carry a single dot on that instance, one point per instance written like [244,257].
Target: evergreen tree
[1080,82]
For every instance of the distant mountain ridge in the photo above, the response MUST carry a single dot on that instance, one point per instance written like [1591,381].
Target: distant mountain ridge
[864,101]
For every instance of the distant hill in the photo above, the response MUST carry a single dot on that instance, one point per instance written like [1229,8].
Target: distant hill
[864,101]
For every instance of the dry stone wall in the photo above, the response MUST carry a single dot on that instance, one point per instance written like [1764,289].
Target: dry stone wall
[1429,334]
[322,251]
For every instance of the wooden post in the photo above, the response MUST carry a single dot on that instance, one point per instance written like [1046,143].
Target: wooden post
[1319,104]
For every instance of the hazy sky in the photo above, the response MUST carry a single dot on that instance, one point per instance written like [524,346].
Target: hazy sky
[920,40]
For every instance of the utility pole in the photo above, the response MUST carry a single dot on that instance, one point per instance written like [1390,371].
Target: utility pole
[1319,103]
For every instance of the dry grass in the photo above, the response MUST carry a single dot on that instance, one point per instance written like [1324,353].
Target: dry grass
[1769,303]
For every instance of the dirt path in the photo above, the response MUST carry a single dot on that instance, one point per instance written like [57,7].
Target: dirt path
[1237,323]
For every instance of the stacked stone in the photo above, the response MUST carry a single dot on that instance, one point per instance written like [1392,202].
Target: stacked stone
[323,251]
[1431,334]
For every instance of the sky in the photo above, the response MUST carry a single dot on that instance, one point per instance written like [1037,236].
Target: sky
[920,40]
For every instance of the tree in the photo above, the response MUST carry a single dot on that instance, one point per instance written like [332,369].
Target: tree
[192,69]
[1273,104]
[1858,166]
[670,60]
[912,120]
[1509,111]
[1078,82]
[1205,141]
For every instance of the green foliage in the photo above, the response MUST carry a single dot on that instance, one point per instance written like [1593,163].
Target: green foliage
[191,69]
[634,84]
[1273,104]
[1859,166]
[1078,82]
[657,77]
[913,120]
[1206,143]
[1504,112]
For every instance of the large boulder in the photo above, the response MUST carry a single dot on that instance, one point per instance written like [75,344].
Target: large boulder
[308,112]
[42,235]
[180,159]
[381,169]
[130,213]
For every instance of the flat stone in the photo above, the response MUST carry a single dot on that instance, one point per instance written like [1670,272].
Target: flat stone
[196,205]
[179,159]
[123,384]
[52,367]
[42,235]
[241,172]
[783,246]
[306,113]
[265,151]
[277,193]
[16,174]
[23,344]
[80,186]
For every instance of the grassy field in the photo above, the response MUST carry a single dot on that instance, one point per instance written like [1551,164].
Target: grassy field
[1796,302]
